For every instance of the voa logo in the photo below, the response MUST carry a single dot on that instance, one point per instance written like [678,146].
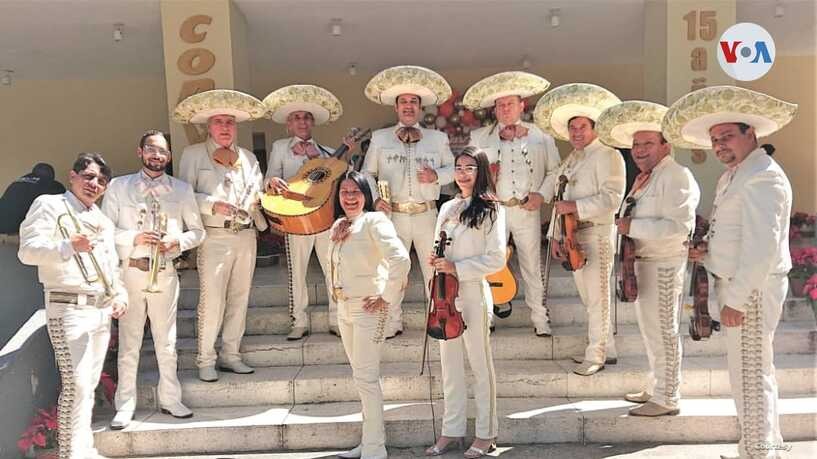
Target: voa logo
[746,51]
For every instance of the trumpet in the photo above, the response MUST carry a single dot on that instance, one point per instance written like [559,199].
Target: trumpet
[98,275]
[156,259]
[248,197]
[384,191]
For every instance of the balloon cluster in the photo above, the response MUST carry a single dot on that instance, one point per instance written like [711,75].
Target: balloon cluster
[457,121]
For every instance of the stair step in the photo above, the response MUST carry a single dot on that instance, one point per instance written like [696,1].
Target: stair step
[521,421]
[797,337]
[701,376]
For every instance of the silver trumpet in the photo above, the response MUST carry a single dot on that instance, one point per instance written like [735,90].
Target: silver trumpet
[242,215]
[98,275]
[156,259]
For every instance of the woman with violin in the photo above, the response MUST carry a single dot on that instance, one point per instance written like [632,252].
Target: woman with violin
[368,271]
[475,225]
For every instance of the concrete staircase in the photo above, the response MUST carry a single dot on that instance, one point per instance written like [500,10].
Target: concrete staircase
[302,395]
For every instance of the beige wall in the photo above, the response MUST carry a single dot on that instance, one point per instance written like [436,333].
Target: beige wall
[53,121]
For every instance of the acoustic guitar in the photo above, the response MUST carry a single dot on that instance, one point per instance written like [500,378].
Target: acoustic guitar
[308,206]
[503,286]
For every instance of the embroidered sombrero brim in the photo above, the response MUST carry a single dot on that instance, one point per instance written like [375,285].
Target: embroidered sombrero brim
[617,124]
[427,84]
[198,108]
[485,92]
[558,106]
[322,104]
[689,119]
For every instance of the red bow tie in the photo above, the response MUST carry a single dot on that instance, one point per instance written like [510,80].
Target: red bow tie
[304,148]
[512,131]
[409,134]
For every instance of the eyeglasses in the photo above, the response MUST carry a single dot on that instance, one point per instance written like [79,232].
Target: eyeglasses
[465,169]
[154,150]
[90,177]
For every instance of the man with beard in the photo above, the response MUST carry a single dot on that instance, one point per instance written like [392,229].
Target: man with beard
[59,235]
[227,182]
[521,155]
[595,185]
[151,208]
[665,196]
[748,247]
[414,161]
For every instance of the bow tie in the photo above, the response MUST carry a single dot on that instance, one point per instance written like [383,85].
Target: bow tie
[304,148]
[512,131]
[640,180]
[409,134]
[154,187]
[225,157]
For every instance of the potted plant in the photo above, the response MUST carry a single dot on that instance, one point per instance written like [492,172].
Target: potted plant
[803,224]
[810,291]
[804,264]
[40,438]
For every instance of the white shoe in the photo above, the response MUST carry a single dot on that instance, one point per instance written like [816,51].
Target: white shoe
[208,374]
[588,368]
[638,397]
[543,330]
[353,453]
[122,419]
[297,333]
[608,361]
[177,410]
[237,367]
[394,332]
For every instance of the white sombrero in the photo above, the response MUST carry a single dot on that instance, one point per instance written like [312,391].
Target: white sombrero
[617,124]
[427,84]
[557,107]
[198,108]
[485,92]
[322,104]
[689,119]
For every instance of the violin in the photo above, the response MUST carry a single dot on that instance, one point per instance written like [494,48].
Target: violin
[571,252]
[627,284]
[444,321]
[701,324]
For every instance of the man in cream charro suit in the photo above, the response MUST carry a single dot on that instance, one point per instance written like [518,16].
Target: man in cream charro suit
[227,182]
[414,161]
[748,247]
[596,180]
[301,107]
[79,299]
[523,155]
[665,196]
[129,203]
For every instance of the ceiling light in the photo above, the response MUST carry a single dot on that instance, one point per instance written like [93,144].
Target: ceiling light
[555,20]
[335,27]
[117,32]
[5,80]
[779,11]
[352,69]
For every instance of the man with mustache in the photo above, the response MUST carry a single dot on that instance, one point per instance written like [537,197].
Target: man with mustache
[415,162]
[227,182]
[151,208]
[748,247]
[665,196]
[79,303]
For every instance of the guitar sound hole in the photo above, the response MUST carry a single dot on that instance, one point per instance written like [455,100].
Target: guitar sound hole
[317,175]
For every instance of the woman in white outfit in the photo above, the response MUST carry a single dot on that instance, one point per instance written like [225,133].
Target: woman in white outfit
[368,269]
[476,225]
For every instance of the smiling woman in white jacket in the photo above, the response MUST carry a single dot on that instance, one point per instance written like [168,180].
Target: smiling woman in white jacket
[476,226]
[368,270]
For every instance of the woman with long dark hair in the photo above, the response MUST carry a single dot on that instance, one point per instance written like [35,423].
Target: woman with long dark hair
[476,225]
[368,270]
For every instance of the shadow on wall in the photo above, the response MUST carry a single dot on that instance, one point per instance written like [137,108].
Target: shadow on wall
[20,292]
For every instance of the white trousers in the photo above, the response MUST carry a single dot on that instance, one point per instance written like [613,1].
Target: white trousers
[658,310]
[526,228]
[417,229]
[751,368]
[226,263]
[593,283]
[362,334]
[161,309]
[299,249]
[80,338]
[475,341]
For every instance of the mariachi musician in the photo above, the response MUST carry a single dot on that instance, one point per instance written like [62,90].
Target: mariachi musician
[748,247]
[523,155]
[663,198]
[595,186]
[301,107]
[414,161]
[227,182]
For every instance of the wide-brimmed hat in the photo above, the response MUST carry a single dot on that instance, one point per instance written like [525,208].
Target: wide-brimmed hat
[198,108]
[322,104]
[558,106]
[485,92]
[617,124]
[687,122]
[428,85]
